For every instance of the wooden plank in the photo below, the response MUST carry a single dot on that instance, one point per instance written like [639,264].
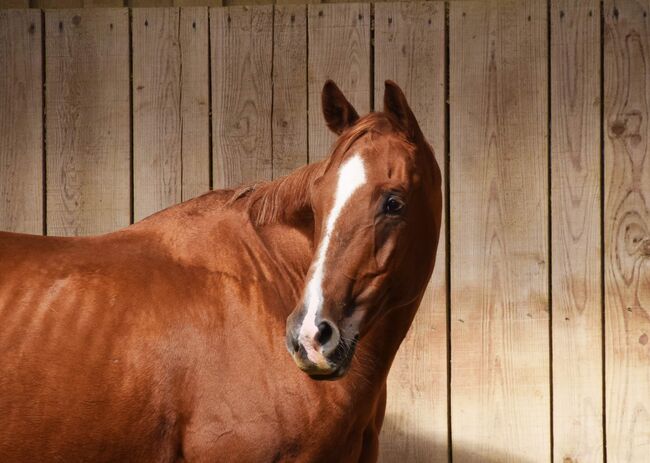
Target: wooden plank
[149,3]
[500,392]
[289,89]
[575,199]
[242,54]
[103,3]
[195,98]
[21,122]
[198,2]
[56,4]
[339,49]
[156,110]
[247,2]
[627,229]
[14,4]
[87,125]
[410,49]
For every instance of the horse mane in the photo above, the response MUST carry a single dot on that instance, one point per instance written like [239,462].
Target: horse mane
[277,200]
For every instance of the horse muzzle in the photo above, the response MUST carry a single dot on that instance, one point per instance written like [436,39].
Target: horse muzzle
[318,346]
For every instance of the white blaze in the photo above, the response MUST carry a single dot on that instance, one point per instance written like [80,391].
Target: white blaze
[351,176]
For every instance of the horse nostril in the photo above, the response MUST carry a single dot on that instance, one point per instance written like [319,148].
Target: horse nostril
[295,344]
[324,332]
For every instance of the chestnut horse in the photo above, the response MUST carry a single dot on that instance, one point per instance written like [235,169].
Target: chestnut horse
[166,341]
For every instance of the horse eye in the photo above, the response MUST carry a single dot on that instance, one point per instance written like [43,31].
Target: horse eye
[393,205]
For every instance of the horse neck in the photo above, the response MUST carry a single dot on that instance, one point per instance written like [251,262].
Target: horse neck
[377,350]
[286,200]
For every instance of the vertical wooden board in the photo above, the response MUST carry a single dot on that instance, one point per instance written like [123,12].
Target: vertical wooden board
[205,3]
[14,4]
[58,4]
[21,122]
[575,246]
[156,110]
[87,124]
[500,391]
[410,49]
[627,229]
[242,57]
[195,99]
[103,3]
[289,89]
[339,49]
[149,3]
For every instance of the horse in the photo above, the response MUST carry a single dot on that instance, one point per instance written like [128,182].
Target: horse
[253,324]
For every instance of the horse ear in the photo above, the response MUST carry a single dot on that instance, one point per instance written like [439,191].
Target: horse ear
[395,103]
[339,113]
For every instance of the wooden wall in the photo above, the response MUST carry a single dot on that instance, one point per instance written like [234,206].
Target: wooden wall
[532,342]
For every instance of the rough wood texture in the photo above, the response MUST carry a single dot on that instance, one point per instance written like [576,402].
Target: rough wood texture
[410,49]
[149,3]
[198,2]
[500,388]
[103,3]
[627,229]
[87,125]
[156,110]
[60,4]
[339,49]
[575,217]
[14,4]
[242,54]
[195,99]
[289,89]
[21,122]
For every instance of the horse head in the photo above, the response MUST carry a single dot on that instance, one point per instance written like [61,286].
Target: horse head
[377,210]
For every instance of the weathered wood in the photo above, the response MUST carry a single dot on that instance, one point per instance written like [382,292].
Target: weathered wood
[242,56]
[289,89]
[21,122]
[247,2]
[149,3]
[14,4]
[103,3]
[627,229]
[410,49]
[87,125]
[198,2]
[575,246]
[156,110]
[195,99]
[339,49]
[500,392]
[56,4]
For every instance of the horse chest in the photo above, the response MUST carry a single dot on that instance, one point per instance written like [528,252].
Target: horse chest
[281,427]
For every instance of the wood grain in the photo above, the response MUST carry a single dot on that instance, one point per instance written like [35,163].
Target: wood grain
[627,229]
[500,391]
[103,3]
[87,125]
[289,89]
[14,4]
[576,250]
[242,57]
[410,49]
[157,122]
[56,4]
[195,99]
[198,2]
[21,122]
[149,3]
[339,49]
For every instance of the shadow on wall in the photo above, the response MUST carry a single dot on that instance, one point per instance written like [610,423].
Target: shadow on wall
[413,447]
